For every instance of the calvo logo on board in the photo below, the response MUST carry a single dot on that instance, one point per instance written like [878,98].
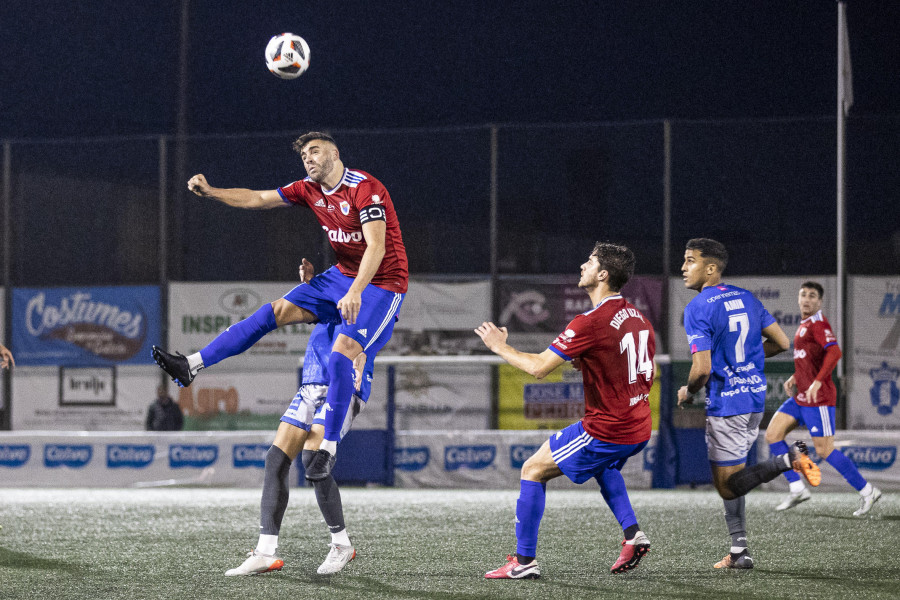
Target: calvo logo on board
[129,456]
[876,458]
[67,455]
[249,455]
[519,453]
[469,457]
[411,459]
[14,455]
[190,455]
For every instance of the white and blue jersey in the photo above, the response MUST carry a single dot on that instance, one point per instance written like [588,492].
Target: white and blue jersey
[728,321]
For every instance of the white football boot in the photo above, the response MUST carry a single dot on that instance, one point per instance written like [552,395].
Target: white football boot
[337,559]
[794,499]
[867,502]
[257,563]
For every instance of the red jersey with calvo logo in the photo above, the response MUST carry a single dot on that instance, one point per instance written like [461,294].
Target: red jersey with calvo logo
[616,344]
[357,199]
[813,337]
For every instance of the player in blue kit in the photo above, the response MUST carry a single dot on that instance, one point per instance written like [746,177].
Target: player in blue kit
[302,427]
[725,327]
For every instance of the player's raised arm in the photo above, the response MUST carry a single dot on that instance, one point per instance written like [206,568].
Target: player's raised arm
[536,365]
[236,197]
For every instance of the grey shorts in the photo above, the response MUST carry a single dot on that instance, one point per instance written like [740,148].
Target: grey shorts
[728,439]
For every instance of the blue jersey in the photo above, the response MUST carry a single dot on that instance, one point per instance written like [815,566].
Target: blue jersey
[318,351]
[728,321]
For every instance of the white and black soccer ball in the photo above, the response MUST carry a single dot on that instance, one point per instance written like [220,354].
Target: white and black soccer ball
[287,55]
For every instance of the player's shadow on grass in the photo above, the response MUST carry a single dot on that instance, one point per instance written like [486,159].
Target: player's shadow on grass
[22,560]
[852,518]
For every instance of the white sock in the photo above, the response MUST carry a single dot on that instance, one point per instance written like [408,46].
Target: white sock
[195,362]
[797,487]
[738,549]
[267,544]
[329,446]
[341,538]
[866,491]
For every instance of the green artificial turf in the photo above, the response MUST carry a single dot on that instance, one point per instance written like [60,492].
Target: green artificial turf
[436,544]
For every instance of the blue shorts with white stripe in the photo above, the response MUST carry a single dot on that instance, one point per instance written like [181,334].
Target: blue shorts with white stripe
[819,420]
[581,456]
[375,322]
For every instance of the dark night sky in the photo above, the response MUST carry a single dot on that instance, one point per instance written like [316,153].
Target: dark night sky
[111,67]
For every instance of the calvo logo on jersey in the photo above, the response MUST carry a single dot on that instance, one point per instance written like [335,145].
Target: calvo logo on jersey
[249,455]
[469,457]
[14,455]
[877,458]
[129,456]
[67,455]
[411,459]
[519,453]
[340,236]
[189,455]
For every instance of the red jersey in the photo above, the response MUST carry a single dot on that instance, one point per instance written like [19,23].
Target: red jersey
[357,199]
[810,342]
[616,344]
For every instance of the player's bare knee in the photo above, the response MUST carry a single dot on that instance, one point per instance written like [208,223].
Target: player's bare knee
[773,436]
[347,346]
[287,313]
[824,446]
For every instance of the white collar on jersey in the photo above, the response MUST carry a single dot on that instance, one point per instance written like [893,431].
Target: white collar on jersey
[814,318]
[602,302]
[349,178]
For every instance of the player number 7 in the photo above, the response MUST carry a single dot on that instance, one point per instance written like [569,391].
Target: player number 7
[639,361]
[740,323]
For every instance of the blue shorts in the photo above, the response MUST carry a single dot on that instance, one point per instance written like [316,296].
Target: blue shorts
[376,314]
[307,407]
[819,420]
[581,456]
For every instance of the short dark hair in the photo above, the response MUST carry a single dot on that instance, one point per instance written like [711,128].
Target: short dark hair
[710,250]
[814,285]
[616,260]
[306,138]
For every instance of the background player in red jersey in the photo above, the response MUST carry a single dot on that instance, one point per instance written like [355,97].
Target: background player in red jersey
[811,401]
[614,344]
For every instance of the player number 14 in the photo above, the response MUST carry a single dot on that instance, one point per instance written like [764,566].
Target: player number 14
[638,359]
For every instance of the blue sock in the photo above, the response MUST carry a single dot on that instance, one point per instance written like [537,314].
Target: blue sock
[240,336]
[340,392]
[612,486]
[846,468]
[529,510]
[782,448]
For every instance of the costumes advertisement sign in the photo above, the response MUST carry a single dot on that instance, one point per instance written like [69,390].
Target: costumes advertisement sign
[85,326]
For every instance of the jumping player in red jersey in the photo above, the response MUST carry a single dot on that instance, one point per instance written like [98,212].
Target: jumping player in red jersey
[811,401]
[614,345]
[362,294]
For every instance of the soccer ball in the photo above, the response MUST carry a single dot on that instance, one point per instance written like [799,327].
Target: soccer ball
[287,56]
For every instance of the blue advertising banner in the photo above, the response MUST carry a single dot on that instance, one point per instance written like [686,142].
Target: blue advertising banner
[85,326]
